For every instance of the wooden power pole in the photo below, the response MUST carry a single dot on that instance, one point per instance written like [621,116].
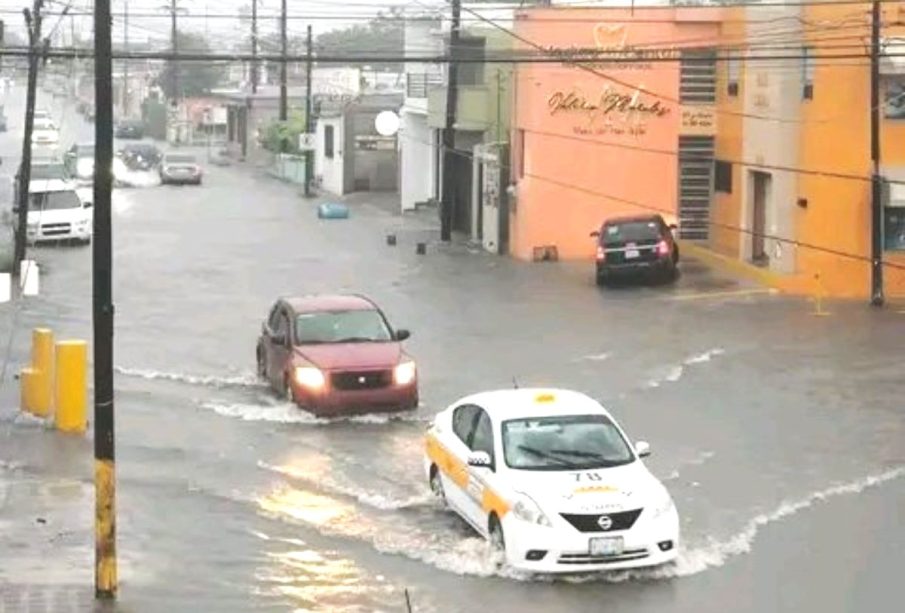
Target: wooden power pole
[447,203]
[876,230]
[33,21]
[105,577]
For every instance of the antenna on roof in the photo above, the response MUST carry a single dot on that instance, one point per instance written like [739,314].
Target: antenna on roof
[514,382]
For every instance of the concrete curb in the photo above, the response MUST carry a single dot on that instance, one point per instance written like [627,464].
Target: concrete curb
[792,284]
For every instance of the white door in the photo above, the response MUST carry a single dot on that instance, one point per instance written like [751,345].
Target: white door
[490,217]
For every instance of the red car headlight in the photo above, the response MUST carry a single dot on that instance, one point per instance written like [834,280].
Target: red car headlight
[310,377]
[404,373]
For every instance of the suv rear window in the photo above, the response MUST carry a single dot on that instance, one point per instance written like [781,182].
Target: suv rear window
[631,231]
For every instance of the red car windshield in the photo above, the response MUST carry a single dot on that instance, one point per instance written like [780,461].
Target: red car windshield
[360,326]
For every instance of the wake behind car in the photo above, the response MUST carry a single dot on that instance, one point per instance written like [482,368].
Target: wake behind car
[550,478]
[336,355]
[639,246]
[79,160]
[130,129]
[180,168]
[140,156]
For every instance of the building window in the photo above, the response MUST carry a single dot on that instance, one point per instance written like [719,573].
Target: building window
[733,71]
[471,70]
[328,142]
[722,176]
[894,228]
[807,73]
[894,97]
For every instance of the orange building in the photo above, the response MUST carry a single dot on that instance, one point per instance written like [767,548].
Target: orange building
[631,130]
[792,182]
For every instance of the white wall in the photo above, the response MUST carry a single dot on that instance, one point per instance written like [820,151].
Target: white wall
[772,89]
[330,170]
[416,160]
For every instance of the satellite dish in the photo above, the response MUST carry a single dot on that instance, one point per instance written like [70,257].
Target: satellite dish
[387,123]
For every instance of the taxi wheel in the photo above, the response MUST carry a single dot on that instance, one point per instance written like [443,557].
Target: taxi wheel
[288,394]
[496,534]
[436,484]
[262,367]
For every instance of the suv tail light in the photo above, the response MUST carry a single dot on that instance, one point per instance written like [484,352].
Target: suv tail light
[601,253]
[663,249]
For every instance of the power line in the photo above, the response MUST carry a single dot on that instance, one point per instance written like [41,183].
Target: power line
[656,209]
[611,58]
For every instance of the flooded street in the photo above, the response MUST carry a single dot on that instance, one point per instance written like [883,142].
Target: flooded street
[779,434]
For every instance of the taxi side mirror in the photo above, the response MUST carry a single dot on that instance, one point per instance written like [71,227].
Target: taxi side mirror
[479,459]
[642,448]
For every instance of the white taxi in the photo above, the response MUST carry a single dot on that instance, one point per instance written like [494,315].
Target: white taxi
[552,480]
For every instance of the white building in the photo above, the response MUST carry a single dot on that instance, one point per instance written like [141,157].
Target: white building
[418,142]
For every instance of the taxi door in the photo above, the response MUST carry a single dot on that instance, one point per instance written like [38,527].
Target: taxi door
[480,478]
[457,477]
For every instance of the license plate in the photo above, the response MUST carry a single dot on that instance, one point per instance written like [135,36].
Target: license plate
[631,254]
[606,546]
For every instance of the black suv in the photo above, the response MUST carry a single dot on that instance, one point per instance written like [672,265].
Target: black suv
[130,128]
[641,246]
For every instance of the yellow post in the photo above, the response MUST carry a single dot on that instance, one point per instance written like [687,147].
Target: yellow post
[71,388]
[818,298]
[42,364]
[27,379]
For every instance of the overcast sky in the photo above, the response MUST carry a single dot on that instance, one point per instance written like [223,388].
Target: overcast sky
[151,19]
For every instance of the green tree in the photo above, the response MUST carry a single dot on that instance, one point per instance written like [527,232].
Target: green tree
[283,136]
[382,36]
[196,77]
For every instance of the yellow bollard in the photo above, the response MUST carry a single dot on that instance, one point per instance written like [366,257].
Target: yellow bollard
[818,298]
[27,381]
[71,388]
[42,363]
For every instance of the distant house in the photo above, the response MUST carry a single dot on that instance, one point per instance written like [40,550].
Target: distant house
[350,155]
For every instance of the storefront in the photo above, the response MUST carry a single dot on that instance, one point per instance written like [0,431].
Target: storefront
[631,130]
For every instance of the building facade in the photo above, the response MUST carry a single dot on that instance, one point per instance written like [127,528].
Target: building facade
[793,190]
[629,130]
[481,131]
[350,155]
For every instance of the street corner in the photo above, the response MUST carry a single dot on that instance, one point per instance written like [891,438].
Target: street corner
[706,276]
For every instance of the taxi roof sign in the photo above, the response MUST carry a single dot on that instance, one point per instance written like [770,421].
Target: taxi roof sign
[544,398]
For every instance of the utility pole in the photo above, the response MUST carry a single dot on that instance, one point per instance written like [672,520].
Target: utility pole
[254,46]
[175,45]
[449,135]
[105,575]
[126,61]
[309,124]
[876,242]
[284,103]
[33,21]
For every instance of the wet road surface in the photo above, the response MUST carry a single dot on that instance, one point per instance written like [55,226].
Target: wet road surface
[779,434]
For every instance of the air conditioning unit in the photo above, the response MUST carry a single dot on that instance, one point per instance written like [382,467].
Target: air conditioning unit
[895,195]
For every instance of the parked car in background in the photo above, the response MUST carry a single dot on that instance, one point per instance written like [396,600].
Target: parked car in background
[335,355]
[79,160]
[130,128]
[180,168]
[636,246]
[140,156]
[45,132]
[45,169]
[57,213]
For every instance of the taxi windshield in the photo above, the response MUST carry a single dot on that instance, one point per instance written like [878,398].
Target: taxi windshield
[357,326]
[573,442]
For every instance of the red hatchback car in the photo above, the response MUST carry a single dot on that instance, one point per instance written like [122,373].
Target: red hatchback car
[336,355]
